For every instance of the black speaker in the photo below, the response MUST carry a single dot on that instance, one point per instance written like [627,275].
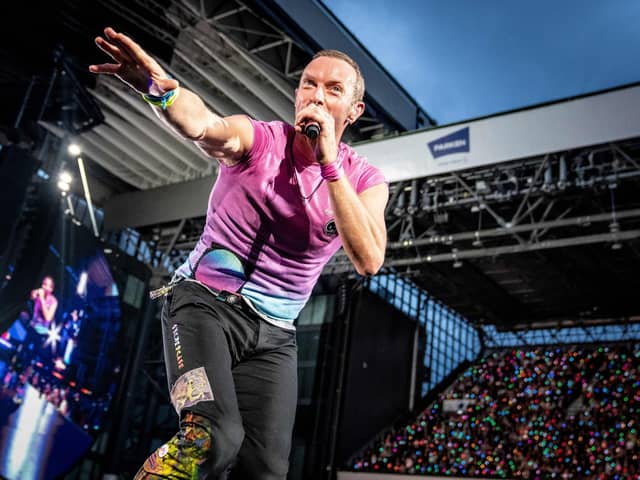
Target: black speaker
[378,373]
[17,167]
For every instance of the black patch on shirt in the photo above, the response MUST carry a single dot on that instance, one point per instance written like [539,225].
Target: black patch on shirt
[330,228]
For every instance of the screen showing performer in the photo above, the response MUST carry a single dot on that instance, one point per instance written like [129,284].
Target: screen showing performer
[287,197]
[45,304]
[60,360]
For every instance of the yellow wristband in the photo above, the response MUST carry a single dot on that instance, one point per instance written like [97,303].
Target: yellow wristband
[164,101]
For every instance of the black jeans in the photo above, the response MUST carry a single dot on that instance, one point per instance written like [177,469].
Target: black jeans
[238,371]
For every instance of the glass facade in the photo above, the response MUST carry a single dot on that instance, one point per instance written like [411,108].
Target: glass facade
[318,311]
[567,335]
[450,339]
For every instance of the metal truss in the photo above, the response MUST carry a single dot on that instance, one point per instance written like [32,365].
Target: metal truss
[554,201]
[236,59]
[557,200]
[163,247]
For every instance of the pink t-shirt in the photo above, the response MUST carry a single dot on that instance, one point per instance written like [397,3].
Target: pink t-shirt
[38,312]
[270,229]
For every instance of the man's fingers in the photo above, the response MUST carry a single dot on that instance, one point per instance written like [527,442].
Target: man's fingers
[130,50]
[110,68]
[111,50]
[311,113]
[305,114]
[134,52]
[128,46]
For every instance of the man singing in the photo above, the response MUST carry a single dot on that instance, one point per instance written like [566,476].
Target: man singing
[45,304]
[287,197]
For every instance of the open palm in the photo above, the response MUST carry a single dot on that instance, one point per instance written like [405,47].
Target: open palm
[133,65]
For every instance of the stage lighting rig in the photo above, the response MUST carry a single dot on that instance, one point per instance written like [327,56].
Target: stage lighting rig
[64,182]
[74,149]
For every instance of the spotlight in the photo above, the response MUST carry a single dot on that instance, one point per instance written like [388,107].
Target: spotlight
[74,149]
[482,187]
[457,263]
[616,246]
[64,182]
[63,186]
[562,174]
[426,197]
[401,203]
[547,186]
[65,177]
[477,242]
[413,198]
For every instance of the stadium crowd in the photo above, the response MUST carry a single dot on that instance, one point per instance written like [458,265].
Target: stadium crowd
[533,413]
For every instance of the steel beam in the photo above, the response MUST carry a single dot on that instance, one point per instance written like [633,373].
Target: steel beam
[497,232]
[340,266]
[148,122]
[159,205]
[322,28]
[271,98]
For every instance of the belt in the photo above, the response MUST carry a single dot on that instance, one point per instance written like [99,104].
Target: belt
[227,297]
[221,295]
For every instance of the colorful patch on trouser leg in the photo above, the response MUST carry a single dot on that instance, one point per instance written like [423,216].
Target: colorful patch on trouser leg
[191,387]
[183,457]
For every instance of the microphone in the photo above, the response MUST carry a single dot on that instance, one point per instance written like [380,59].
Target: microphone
[312,130]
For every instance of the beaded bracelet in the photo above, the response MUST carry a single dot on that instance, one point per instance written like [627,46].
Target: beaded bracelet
[163,101]
[331,171]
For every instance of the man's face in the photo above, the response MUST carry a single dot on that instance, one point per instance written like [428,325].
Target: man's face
[47,285]
[330,83]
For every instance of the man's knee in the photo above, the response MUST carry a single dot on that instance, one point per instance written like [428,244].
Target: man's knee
[185,456]
[227,440]
[198,450]
[268,461]
[220,447]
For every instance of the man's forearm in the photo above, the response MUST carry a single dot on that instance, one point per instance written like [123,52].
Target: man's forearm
[48,311]
[188,116]
[363,239]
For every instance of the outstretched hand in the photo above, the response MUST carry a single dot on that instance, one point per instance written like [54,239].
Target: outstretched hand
[133,66]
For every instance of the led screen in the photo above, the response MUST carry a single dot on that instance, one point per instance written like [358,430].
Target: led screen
[59,359]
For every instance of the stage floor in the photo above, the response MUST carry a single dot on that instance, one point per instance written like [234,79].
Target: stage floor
[36,441]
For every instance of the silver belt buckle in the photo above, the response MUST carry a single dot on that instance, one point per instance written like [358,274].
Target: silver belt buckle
[163,290]
[228,297]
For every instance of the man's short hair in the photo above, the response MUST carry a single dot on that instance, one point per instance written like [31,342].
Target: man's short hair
[358,93]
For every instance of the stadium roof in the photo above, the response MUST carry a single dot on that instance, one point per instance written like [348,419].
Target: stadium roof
[240,57]
[245,56]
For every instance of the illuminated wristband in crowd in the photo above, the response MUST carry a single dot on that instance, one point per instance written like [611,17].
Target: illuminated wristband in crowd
[331,172]
[163,101]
